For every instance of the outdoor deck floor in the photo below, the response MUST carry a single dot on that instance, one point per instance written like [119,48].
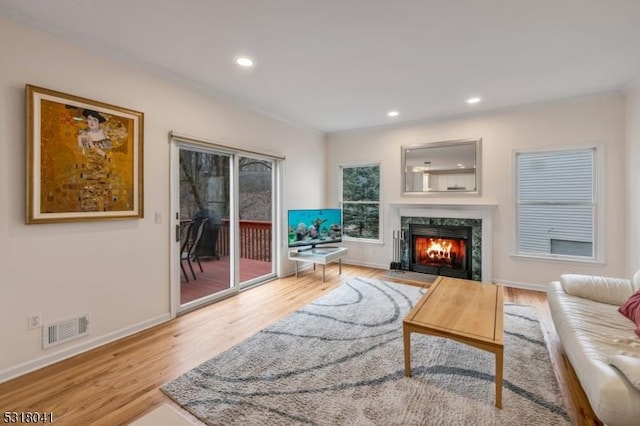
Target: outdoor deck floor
[216,276]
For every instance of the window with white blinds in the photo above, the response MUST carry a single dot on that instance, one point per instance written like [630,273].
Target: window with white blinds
[556,203]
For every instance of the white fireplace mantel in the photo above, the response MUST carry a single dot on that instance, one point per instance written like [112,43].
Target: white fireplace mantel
[488,207]
[482,211]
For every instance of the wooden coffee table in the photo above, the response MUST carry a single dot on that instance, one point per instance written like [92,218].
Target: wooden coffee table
[467,311]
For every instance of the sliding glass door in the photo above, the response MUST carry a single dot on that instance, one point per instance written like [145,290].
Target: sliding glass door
[256,211]
[225,223]
[205,203]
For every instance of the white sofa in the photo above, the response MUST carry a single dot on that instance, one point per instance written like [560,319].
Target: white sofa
[594,336]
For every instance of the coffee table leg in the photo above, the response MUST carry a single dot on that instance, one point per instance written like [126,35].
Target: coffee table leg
[499,354]
[407,350]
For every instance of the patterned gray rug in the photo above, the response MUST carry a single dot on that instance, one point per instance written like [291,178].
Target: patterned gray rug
[339,361]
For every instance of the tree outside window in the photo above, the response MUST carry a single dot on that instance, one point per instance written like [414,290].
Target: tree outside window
[205,184]
[360,201]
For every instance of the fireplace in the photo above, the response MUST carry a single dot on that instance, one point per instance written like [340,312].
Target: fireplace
[440,250]
[479,217]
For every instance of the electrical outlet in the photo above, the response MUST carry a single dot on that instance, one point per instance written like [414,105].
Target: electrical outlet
[34,321]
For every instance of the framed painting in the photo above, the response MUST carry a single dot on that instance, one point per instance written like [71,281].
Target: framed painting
[84,159]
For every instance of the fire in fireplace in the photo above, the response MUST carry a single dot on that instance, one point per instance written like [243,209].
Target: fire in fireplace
[440,250]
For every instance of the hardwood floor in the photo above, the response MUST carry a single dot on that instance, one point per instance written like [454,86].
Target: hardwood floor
[119,382]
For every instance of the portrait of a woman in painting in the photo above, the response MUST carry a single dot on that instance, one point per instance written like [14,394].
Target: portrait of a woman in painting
[102,185]
[93,136]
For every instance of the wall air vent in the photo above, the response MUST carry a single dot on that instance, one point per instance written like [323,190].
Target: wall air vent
[64,331]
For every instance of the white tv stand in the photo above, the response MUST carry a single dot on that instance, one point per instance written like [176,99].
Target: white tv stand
[318,255]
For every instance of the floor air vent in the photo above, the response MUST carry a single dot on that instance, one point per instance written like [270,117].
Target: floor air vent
[63,331]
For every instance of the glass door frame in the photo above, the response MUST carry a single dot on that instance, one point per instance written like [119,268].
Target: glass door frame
[233,212]
[178,141]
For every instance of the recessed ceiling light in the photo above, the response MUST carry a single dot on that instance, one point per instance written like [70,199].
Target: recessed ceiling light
[393,113]
[244,61]
[473,100]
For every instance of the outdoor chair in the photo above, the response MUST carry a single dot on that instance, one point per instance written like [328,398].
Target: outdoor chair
[194,232]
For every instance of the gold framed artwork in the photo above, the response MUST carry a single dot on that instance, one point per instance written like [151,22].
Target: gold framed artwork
[84,159]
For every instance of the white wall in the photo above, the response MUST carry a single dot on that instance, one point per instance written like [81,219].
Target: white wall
[573,122]
[116,271]
[632,93]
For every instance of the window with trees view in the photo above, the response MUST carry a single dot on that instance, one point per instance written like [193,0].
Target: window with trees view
[360,201]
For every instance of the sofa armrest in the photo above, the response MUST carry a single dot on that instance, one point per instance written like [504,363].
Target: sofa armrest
[629,367]
[614,291]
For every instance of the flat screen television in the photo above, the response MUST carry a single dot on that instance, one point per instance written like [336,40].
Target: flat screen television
[311,227]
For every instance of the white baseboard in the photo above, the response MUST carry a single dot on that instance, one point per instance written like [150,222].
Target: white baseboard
[29,366]
[512,284]
[301,267]
[524,286]
[308,266]
[367,264]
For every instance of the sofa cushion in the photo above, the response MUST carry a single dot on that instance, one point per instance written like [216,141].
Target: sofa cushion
[614,291]
[631,310]
[629,366]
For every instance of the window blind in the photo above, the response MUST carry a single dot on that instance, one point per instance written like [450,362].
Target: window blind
[555,202]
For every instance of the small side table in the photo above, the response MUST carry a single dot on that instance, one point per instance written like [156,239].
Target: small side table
[319,255]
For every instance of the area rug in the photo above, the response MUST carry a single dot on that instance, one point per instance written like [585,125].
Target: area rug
[339,361]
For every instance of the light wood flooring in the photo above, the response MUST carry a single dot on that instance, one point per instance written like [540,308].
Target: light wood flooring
[119,382]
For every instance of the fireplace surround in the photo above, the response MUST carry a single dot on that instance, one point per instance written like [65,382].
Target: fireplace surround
[474,244]
[440,250]
[479,216]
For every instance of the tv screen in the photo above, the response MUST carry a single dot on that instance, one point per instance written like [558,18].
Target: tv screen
[314,226]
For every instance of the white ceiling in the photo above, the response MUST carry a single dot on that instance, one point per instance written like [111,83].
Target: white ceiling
[335,65]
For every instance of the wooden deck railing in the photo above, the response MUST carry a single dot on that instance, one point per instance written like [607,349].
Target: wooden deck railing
[255,239]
